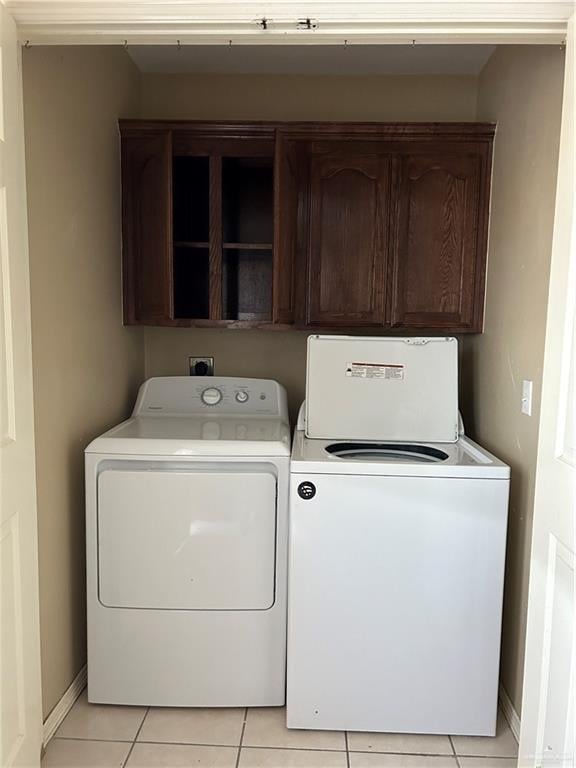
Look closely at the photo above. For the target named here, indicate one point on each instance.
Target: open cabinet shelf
(223, 225)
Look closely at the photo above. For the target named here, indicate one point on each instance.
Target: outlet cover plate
(201, 366)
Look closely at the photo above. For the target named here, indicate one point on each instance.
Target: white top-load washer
(397, 546)
(186, 532)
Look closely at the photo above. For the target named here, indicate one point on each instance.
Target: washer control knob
(211, 396)
(241, 396)
(307, 490)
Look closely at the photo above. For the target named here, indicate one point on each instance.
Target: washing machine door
(197, 538)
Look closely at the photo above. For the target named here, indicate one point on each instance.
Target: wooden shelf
(225, 246)
(189, 244)
(247, 246)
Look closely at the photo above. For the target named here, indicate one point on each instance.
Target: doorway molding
(331, 22)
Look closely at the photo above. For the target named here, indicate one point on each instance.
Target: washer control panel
(174, 395)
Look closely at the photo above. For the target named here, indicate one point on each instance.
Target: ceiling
(313, 60)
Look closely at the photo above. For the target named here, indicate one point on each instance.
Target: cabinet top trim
(300, 129)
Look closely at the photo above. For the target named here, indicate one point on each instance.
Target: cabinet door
(439, 254)
(146, 228)
(349, 214)
(289, 228)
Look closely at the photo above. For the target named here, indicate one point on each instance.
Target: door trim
(53, 22)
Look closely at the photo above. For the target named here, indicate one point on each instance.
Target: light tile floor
(96, 736)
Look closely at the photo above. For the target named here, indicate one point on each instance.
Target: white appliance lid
(382, 388)
(196, 436)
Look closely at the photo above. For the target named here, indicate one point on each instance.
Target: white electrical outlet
(527, 397)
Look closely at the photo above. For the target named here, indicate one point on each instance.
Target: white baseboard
(509, 712)
(55, 718)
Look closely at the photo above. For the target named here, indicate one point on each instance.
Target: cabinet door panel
(348, 230)
(290, 226)
(146, 228)
(438, 260)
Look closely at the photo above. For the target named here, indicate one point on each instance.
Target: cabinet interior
(223, 229)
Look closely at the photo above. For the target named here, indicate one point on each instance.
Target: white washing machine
(397, 546)
(186, 532)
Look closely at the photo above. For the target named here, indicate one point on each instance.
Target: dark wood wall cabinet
(306, 225)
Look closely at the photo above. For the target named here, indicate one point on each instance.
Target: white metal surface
(187, 548)
(182, 396)
(205, 537)
(465, 459)
(382, 388)
(395, 601)
(208, 435)
(172, 418)
(548, 733)
(20, 695)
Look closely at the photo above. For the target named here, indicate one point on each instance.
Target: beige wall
(279, 355)
(86, 365)
(302, 97)
(291, 97)
(520, 89)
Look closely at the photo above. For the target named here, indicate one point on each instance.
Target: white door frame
(20, 696)
(548, 700)
(108, 22)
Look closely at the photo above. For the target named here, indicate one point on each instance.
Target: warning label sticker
(374, 371)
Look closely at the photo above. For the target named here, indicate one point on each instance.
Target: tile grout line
(475, 755)
(410, 753)
(269, 746)
(125, 763)
(91, 738)
(451, 740)
(290, 749)
(347, 749)
(241, 737)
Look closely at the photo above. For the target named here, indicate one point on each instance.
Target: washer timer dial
(211, 396)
